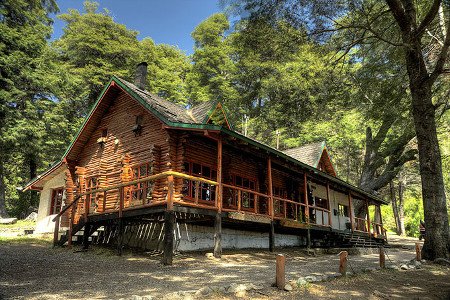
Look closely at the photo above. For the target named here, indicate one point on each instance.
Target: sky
(165, 21)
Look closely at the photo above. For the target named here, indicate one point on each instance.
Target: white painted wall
(338, 222)
(202, 238)
(44, 223)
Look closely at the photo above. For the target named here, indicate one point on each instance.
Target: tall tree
(212, 69)
(408, 26)
(94, 47)
(25, 26)
(168, 68)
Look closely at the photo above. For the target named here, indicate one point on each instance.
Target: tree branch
(429, 17)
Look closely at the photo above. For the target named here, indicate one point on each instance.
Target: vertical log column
(219, 189)
(305, 191)
(350, 210)
(329, 204)
(368, 218)
(271, 208)
(169, 224)
(125, 176)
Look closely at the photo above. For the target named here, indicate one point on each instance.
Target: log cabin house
(145, 172)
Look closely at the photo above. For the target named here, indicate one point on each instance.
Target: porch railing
(142, 193)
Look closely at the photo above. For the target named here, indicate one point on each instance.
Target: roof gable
(314, 155)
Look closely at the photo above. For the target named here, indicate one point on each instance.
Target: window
(343, 210)
(143, 190)
(206, 192)
(230, 197)
(56, 201)
(320, 202)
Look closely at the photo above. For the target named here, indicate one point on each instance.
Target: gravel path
(29, 271)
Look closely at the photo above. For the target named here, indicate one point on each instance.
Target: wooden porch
(212, 198)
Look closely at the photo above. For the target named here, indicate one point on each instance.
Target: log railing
(140, 193)
(324, 216)
(289, 209)
(379, 230)
(360, 225)
(244, 200)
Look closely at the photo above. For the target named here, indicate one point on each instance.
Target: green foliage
(213, 69)
(93, 48)
(167, 70)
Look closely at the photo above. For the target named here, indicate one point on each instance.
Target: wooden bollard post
(280, 279)
(418, 253)
(382, 258)
(343, 262)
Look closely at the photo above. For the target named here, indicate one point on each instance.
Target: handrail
(66, 207)
(288, 200)
(133, 182)
(245, 190)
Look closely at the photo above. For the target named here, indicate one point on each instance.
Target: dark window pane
(206, 172)
(252, 185)
(238, 180)
(196, 169)
(245, 183)
(186, 168)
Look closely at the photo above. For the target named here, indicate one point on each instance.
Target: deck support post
(120, 222)
(120, 230)
(56, 232)
(270, 189)
(272, 237)
(86, 234)
(308, 238)
(169, 224)
(218, 235)
(305, 191)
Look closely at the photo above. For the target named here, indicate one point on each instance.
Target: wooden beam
(218, 236)
(350, 210)
(56, 232)
(305, 191)
(120, 236)
(86, 234)
(271, 237)
(329, 204)
(219, 187)
(169, 224)
(269, 176)
(170, 193)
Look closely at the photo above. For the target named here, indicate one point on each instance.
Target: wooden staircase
(357, 239)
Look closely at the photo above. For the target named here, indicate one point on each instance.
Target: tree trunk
(3, 213)
(394, 207)
(401, 214)
(434, 201)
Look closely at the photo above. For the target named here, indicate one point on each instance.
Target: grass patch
(26, 239)
(19, 224)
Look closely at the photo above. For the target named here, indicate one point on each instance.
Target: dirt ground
(36, 271)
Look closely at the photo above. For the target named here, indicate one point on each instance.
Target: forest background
(277, 82)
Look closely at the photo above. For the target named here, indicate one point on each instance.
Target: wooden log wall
(70, 187)
(123, 148)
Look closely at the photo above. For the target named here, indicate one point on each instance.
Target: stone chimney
(140, 77)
